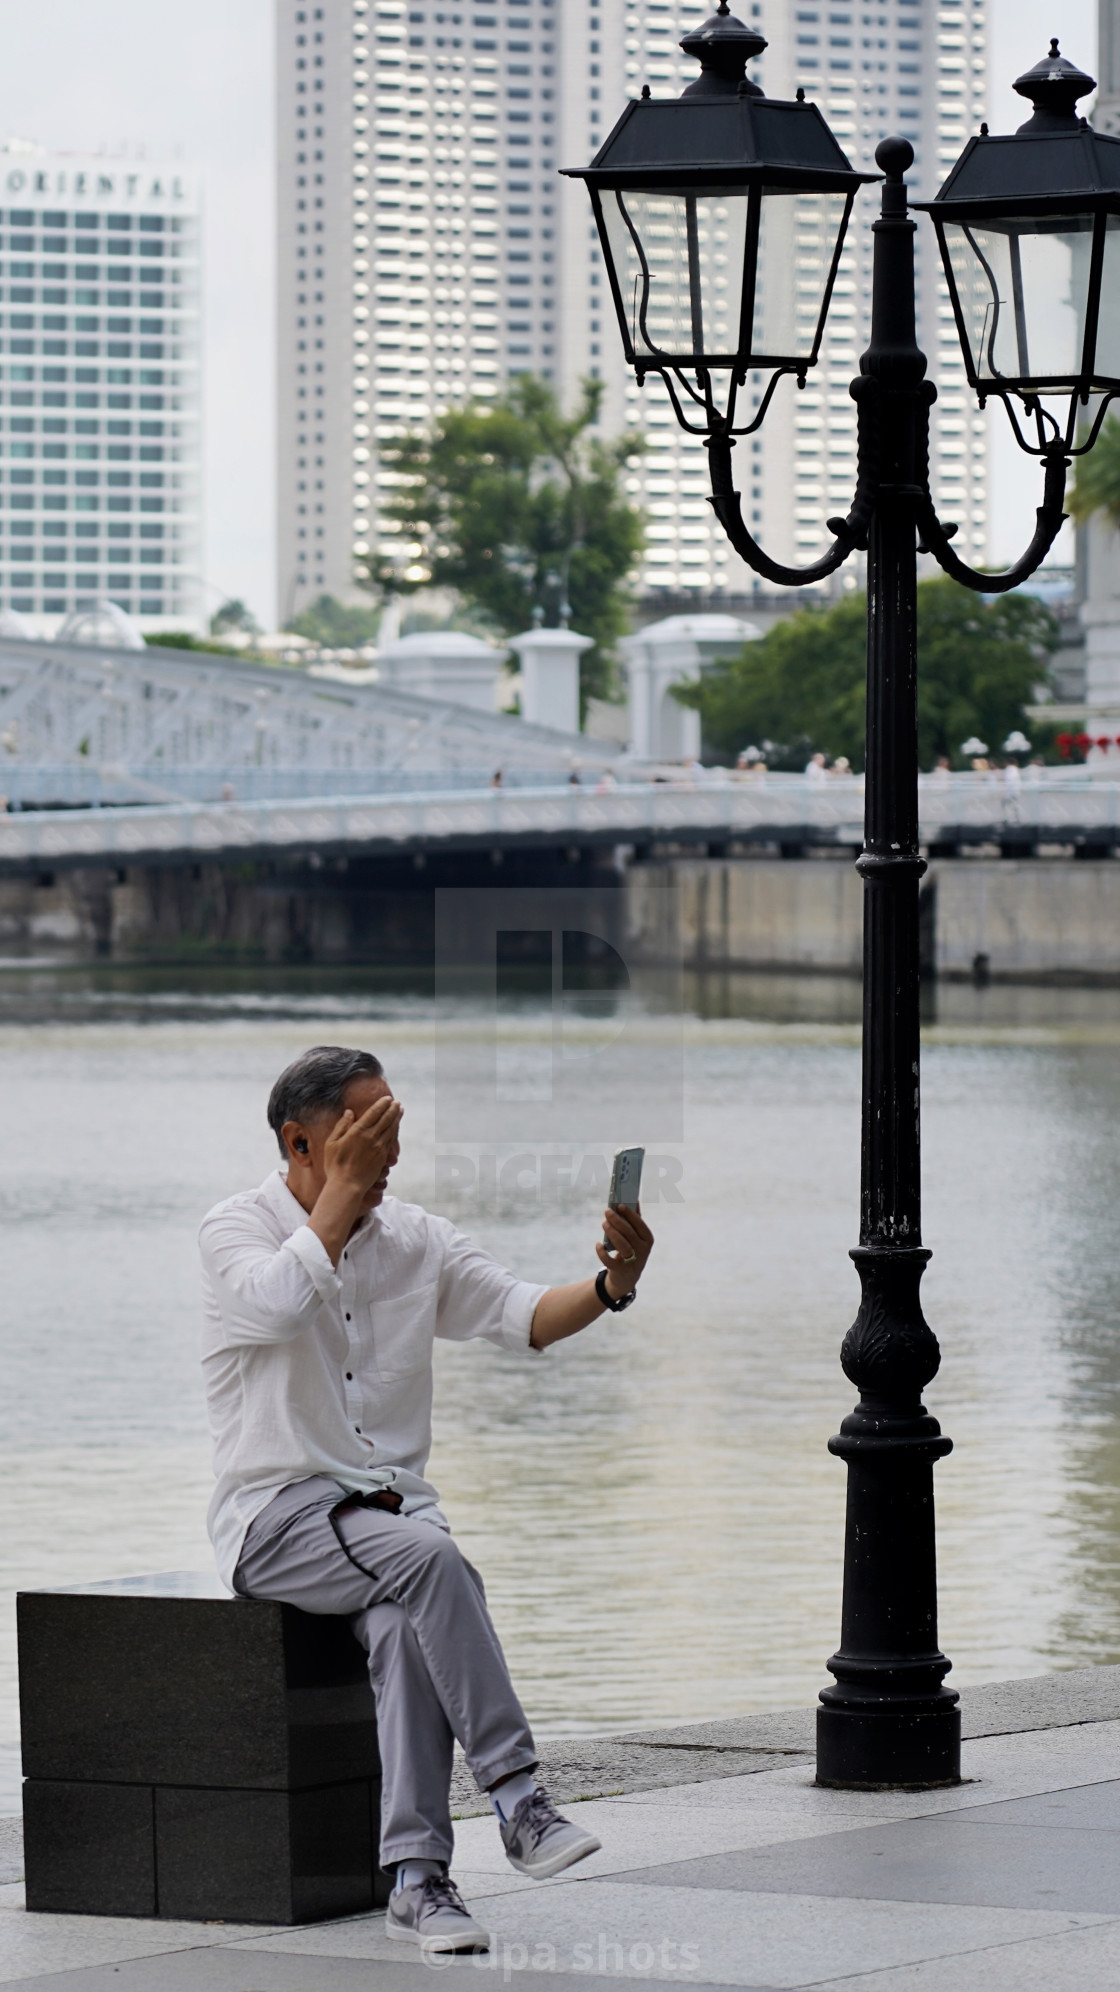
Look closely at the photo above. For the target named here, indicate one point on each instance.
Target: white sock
(410, 1872)
(507, 1796)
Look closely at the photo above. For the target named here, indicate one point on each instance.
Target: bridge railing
(78, 785)
(787, 810)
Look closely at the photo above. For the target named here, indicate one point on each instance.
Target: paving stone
(694, 1936)
(1086, 1960)
(1044, 1701)
(11, 1850)
(952, 1858)
(224, 1970)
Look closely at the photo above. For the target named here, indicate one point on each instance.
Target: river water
(652, 1504)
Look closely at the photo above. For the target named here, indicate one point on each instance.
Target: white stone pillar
(549, 660)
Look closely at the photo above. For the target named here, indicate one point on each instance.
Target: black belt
(379, 1497)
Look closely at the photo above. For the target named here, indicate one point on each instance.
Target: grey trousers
(435, 1663)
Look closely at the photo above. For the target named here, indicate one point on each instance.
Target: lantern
(721, 216)
(1029, 230)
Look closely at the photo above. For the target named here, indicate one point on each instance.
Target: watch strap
(615, 1306)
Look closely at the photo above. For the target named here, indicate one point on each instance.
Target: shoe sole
(566, 1858)
(445, 1944)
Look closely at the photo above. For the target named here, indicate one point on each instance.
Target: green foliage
(327, 621)
(979, 661)
(181, 639)
(234, 614)
(1096, 486)
(517, 507)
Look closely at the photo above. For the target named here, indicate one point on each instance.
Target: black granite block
(89, 1849)
(170, 1681)
(264, 1856)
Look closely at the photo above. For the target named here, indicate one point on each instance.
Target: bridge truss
(157, 710)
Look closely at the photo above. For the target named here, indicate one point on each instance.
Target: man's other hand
(359, 1149)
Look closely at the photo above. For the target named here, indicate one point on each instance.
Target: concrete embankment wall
(1046, 919)
(360, 909)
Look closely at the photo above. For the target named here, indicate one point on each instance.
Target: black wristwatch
(616, 1306)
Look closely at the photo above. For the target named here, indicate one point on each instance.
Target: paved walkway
(723, 1864)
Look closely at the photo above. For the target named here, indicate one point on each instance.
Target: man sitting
(323, 1297)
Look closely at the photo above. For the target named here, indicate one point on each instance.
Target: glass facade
(99, 394)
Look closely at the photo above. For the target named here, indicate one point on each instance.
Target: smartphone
(626, 1180)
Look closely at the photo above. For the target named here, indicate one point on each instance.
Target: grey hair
(315, 1084)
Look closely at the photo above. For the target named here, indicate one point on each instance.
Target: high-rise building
(429, 250)
(919, 69)
(100, 390)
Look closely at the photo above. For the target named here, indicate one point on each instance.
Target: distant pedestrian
(816, 769)
(496, 779)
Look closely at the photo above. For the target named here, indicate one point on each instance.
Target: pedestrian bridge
(1062, 810)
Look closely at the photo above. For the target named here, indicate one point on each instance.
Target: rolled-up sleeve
(264, 1292)
(480, 1298)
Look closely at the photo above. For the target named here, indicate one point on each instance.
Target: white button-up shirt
(310, 1370)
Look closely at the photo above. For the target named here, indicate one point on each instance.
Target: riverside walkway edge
(724, 1864)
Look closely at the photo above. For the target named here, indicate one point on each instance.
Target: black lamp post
(703, 206)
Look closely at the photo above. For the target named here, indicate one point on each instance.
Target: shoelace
(538, 1811)
(440, 1892)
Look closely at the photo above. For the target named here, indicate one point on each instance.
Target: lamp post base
(889, 1749)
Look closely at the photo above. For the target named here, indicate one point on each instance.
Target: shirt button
(349, 1376)
(358, 1429)
(347, 1317)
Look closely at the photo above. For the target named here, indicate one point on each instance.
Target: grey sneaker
(432, 1913)
(540, 1843)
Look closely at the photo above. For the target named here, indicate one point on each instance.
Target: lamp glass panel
(678, 260)
(1106, 366)
(1022, 283)
(797, 236)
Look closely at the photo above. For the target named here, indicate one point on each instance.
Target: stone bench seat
(194, 1755)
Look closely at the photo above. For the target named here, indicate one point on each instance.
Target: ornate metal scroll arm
(1050, 515)
(727, 505)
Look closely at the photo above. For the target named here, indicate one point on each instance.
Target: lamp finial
(723, 47)
(1053, 86)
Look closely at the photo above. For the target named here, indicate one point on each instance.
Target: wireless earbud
(301, 1146)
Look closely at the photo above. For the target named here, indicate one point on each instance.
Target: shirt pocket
(404, 1331)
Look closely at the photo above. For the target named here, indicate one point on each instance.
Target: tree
(519, 509)
(802, 684)
(234, 614)
(1096, 485)
(328, 621)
